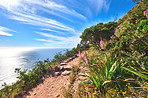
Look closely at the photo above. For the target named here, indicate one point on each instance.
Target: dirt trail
(51, 86)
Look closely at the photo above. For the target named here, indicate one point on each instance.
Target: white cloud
(8, 4)
(26, 11)
(31, 6)
(46, 29)
(45, 40)
(40, 21)
(100, 4)
(4, 31)
(55, 14)
(57, 41)
(57, 7)
(51, 36)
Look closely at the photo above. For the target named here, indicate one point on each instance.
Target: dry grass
(68, 92)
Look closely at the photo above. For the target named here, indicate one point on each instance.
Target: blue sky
(54, 23)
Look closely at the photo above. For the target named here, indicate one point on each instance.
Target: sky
(54, 23)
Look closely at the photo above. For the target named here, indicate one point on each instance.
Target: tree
(136, 1)
(94, 33)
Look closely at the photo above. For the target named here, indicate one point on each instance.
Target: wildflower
(132, 23)
(86, 60)
(112, 36)
(128, 22)
(115, 34)
(144, 13)
(101, 42)
(80, 54)
(121, 23)
(116, 30)
(123, 27)
(110, 40)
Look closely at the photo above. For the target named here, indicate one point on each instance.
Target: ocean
(24, 58)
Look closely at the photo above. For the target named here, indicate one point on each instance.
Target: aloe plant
(103, 77)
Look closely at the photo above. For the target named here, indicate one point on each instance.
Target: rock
(81, 67)
(52, 86)
(67, 68)
(61, 68)
(58, 95)
(62, 64)
(57, 73)
(34, 94)
(43, 78)
(70, 58)
(73, 90)
(66, 61)
(66, 73)
(56, 68)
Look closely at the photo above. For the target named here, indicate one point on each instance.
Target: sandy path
(51, 86)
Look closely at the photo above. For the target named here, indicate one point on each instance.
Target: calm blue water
(11, 58)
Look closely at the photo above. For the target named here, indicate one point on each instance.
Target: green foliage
(106, 77)
(131, 38)
(116, 77)
(136, 1)
(93, 34)
(59, 57)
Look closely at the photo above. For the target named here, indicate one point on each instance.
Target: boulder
(70, 58)
(57, 73)
(62, 68)
(58, 95)
(65, 73)
(67, 68)
(66, 61)
(62, 64)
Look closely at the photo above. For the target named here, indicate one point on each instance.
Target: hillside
(116, 62)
